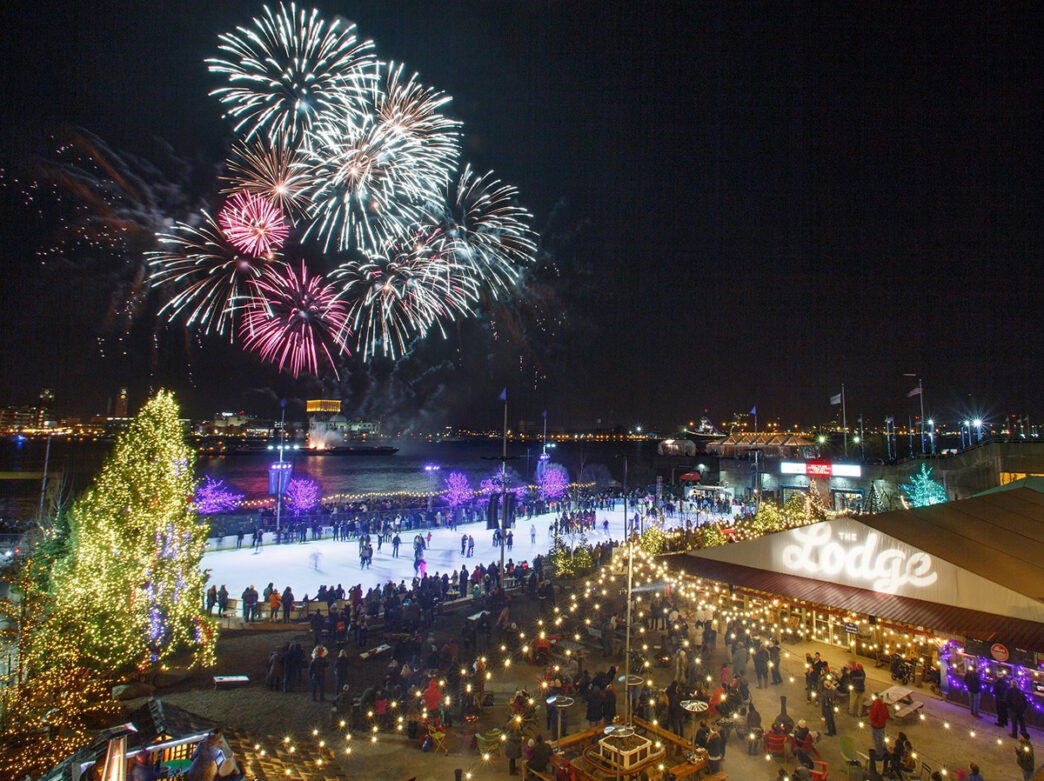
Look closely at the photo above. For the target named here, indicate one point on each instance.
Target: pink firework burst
(253, 224)
(293, 319)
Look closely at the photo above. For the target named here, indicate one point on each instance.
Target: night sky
(741, 204)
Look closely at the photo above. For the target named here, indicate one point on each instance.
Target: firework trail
(293, 319)
(273, 171)
(287, 69)
(253, 225)
(101, 210)
(209, 276)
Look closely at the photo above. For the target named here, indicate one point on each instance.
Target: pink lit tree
(302, 495)
(458, 488)
(554, 481)
(213, 497)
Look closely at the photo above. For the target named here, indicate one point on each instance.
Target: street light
(978, 428)
(431, 469)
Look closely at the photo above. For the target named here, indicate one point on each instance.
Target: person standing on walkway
(1017, 710)
(317, 672)
(1000, 699)
(774, 661)
(878, 720)
(761, 666)
(974, 685)
(857, 688)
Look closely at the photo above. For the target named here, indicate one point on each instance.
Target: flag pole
(920, 392)
(503, 497)
(844, 417)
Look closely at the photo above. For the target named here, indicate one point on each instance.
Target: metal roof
(1028, 635)
(998, 536)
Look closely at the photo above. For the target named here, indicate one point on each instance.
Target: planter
(625, 751)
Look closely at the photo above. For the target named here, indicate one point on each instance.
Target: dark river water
(404, 471)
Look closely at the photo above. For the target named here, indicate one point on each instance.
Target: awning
(1019, 633)
(691, 476)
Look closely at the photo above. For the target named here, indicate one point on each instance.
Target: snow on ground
(306, 566)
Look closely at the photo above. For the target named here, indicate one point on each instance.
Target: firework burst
(293, 319)
(411, 112)
(271, 171)
(253, 225)
(288, 68)
(486, 231)
(207, 273)
(398, 295)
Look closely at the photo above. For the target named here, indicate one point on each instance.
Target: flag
(915, 392)
(503, 395)
(754, 410)
(835, 399)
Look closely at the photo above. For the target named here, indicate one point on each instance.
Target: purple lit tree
(302, 495)
(458, 488)
(213, 497)
(554, 481)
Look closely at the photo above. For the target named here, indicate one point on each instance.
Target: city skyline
(733, 212)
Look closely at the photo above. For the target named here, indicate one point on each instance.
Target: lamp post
(280, 482)
(978, 429)
(430, 469)
(630, 576)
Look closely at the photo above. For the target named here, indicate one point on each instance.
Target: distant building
(328, 428)
(121, 404)
(237, 424)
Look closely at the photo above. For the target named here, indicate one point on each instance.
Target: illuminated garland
(131, 588)
(50, 698)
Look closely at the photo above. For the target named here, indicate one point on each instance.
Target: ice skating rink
(305, 566)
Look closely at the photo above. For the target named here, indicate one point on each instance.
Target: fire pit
(623, 749)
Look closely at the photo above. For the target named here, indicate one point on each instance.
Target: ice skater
(532, 534)
(314, 557)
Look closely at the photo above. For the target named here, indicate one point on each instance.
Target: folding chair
(819, 770)
(438, 740)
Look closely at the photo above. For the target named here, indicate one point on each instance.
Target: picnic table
(900, 702)
(383, 648)
(230, 681)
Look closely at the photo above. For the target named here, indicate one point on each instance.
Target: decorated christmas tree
(50, 700)
(582, 556)
(130, 590)
(922, 490)
(873, 503)
(562, 561)
(653, 540)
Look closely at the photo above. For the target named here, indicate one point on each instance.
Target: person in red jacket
(878, 720)
(432, 696)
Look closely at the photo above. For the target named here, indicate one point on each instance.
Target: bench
(230, 681)
(541, 774)
(907, 710)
